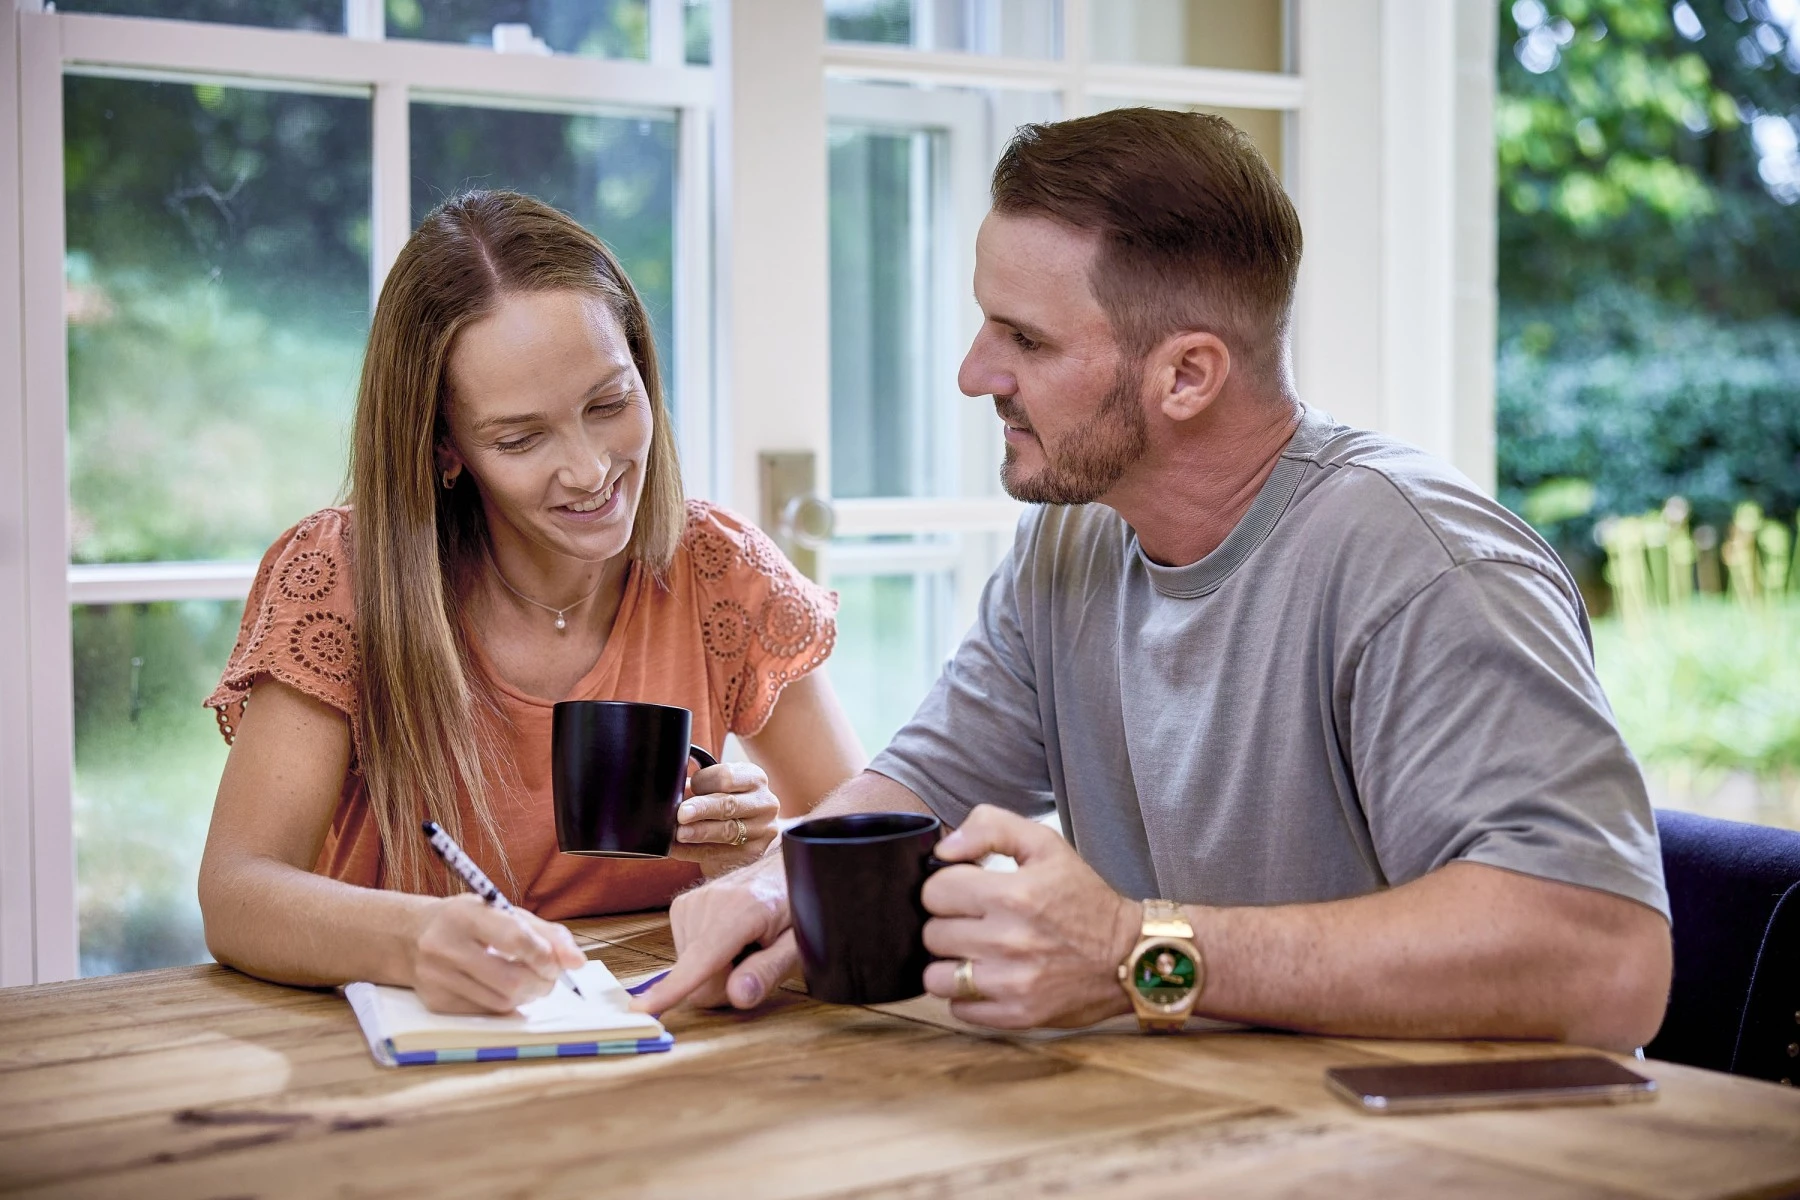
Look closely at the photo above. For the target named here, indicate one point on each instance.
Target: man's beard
(1089, 459)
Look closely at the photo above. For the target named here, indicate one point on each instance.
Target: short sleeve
(978, 737)
(299, 623)
(1479, 732)
(764, 624)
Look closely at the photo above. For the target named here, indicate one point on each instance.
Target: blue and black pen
(476, 878)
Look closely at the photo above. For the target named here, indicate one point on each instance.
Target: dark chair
(1734, 895)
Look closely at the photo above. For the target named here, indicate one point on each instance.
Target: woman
(516, 536)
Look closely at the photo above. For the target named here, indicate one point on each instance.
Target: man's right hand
(713, 925)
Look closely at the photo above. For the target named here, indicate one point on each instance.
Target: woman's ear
(1201, 364)
(449, 465)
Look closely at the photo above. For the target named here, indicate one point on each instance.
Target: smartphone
(1489, 1083)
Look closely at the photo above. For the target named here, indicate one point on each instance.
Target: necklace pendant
(560, 623)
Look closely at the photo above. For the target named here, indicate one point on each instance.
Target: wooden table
(201, 1082)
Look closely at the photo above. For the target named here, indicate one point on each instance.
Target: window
(916, 125)
(229, 199)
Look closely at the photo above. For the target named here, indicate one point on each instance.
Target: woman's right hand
(468, 957)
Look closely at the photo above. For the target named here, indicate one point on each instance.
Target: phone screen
(1419, 1087)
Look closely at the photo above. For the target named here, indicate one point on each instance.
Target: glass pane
(614, 174)
(147, 763)
(1013, 28)
(1241, 35)
(218, 301)
(595, 28)
(881, 285)
(696, 24)
(909, 175)
(326, 16)
(893, 636)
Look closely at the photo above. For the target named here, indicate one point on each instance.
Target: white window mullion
(148, 583)
(391, 172)
(703, 430)
(16, 927)
(668, 33)
(46, 426)
(365, 20)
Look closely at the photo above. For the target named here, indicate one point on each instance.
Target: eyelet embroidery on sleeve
(726, 629)
(786, 623)
(758, 655)
(324, 644)
(291, 633)
(734, 692)
(758, 550)
(711, 552)
(308, 577)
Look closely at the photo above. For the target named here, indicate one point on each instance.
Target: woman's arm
(268, 915)
(807, 745)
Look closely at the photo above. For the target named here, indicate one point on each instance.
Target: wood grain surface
(200, 1081)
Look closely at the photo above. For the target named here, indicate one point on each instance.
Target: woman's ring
(743, 832)
(962, 984)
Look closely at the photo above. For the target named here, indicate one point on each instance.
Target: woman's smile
(603, 505)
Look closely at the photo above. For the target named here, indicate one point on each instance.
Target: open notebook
(402, 1032)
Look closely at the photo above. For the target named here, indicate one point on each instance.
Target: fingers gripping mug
(618, 769)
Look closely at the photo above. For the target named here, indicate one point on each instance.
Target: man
(1303, 681)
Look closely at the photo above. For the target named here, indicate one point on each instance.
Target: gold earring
(448, 478)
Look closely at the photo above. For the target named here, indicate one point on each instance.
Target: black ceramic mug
(618, 769)
(853, 893)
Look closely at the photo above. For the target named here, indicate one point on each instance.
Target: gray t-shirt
(1379, 671)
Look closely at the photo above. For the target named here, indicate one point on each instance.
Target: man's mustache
(1009, 411)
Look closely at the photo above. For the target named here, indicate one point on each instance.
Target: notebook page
(603, 1015)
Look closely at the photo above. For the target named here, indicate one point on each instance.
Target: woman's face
(549, 414)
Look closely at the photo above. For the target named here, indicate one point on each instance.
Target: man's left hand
(1045, 940)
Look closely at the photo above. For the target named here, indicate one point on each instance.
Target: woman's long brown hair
(429, 723)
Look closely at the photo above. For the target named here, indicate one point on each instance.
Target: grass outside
(1708, 697)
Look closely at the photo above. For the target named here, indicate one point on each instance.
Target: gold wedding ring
(962, 984)
(743, 832)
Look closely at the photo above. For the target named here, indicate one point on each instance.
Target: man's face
(1046, 353)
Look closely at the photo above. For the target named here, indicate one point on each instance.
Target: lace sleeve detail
(298, 625)
(763, 623)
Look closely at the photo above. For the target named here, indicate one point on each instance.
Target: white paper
(601, 1014)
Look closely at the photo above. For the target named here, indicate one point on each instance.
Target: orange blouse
(729, 626)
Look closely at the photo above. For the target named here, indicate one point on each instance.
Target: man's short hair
(1195, 230)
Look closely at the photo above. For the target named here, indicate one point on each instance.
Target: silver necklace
(561, 622)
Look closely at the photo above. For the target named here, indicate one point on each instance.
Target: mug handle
(702, 757)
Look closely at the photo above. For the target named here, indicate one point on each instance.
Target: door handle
(793, 512)
(808, 521)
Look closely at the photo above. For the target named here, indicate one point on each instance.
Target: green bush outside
(1616, 402)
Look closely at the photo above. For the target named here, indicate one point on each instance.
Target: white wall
(1394, 178)
(772, 247)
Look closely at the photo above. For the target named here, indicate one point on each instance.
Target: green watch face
(1163, 974)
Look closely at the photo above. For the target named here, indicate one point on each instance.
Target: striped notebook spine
(419, 1058)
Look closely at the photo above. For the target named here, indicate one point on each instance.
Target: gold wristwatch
(1164, 973)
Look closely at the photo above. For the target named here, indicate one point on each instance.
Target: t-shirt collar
(1253, 528)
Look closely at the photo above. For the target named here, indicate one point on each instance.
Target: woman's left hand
(723, 803)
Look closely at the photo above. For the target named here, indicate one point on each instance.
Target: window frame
(39, 936)
(1387, 150)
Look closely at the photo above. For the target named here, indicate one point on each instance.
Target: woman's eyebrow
(503, 422)
(619, 380)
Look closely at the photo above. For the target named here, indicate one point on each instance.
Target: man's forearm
(870, 792)
(1467, 951)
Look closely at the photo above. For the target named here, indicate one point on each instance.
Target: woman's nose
(584, 470)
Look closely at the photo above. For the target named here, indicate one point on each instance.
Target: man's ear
(1197, 366)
